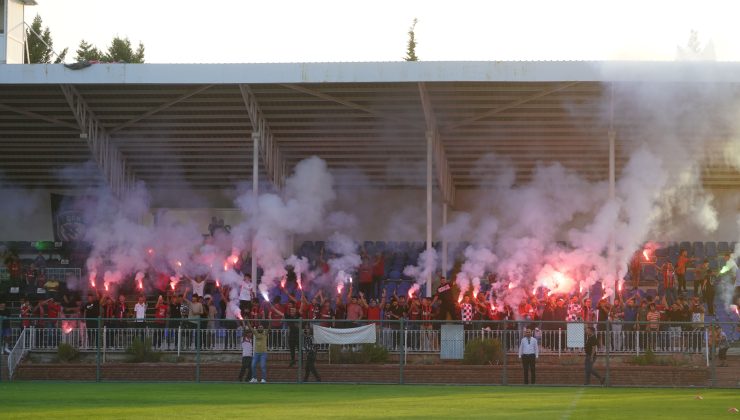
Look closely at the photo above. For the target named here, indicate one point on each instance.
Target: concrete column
(430, 146)
(255, 194)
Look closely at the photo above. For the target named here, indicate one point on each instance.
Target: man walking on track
(591, 347)
(529, 352)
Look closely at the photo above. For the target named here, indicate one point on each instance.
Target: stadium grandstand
(429, 170)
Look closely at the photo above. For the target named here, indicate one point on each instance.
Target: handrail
(17, 354)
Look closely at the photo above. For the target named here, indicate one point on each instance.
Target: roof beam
(117, 173)
(38, 116)
(444, 176)
(346, 103)
(275, 165)
(159, 108)
(511, 105)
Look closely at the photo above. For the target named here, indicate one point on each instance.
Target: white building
(12, 30)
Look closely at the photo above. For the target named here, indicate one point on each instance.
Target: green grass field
(64, 400)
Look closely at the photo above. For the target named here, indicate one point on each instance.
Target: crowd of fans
(201, 302)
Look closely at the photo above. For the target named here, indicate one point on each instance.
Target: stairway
(4, 368)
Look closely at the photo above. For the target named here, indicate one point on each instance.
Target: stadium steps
(4, 368)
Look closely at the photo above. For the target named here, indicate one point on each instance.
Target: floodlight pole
(430, 140)
(255, 192)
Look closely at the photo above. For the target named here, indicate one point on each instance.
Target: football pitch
(63, 400)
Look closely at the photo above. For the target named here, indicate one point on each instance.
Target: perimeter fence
(398, 351)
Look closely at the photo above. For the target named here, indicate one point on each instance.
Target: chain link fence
(481, 352)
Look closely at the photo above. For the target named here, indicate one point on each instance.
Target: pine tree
(411, 46)
(87, 51)
(120, 51)
(40, 44)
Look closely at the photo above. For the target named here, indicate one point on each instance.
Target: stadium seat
(723, 247)
(698, 250)
(661, 252)
(685, 246)
(380, 246)
(710, 249)
(673, 250)
(649, 272)
(369, 247)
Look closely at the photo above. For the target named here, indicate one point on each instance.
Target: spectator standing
(668, 273)
(444, 296)
(427, 336)
(91, 313)
(211, 313)
(309, 348)
(247, 354)
(260, 352)
(700, 274)
(5, 327)
(681, 266)
(246, 293)
(354, 311)
(140, 312)
(292, 319)
(378, 273)
(528, 353)
(140, 316)
(616, 317)
(591, 349)
(160, 315)
(653, 326)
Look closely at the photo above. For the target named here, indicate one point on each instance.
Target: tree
(40, 45)
(694, 50)
(411, 46)
(120, 51)
(88, 52)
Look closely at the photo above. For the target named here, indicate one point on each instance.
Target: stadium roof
(191, 125)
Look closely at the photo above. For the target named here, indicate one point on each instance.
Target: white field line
(573, 404)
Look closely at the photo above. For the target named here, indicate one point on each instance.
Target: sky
(247, 31)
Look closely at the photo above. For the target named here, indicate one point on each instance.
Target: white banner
(364, 334)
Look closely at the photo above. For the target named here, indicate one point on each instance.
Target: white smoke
(272, 219)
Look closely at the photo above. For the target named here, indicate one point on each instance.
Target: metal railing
(62, 274)
(411, 337)
(19, 351)
(406, 343)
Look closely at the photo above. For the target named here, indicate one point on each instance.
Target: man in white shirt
(140, 314)
(140, 309)
(245, 293)
(528, 352)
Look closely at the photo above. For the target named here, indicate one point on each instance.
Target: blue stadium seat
(673, 250)
(723, 247)
(380, 246)
(710, 249)
(649, 272)
(685, 245)
(661, 252)
(698, 250)
(690, 276)
(369, 247)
